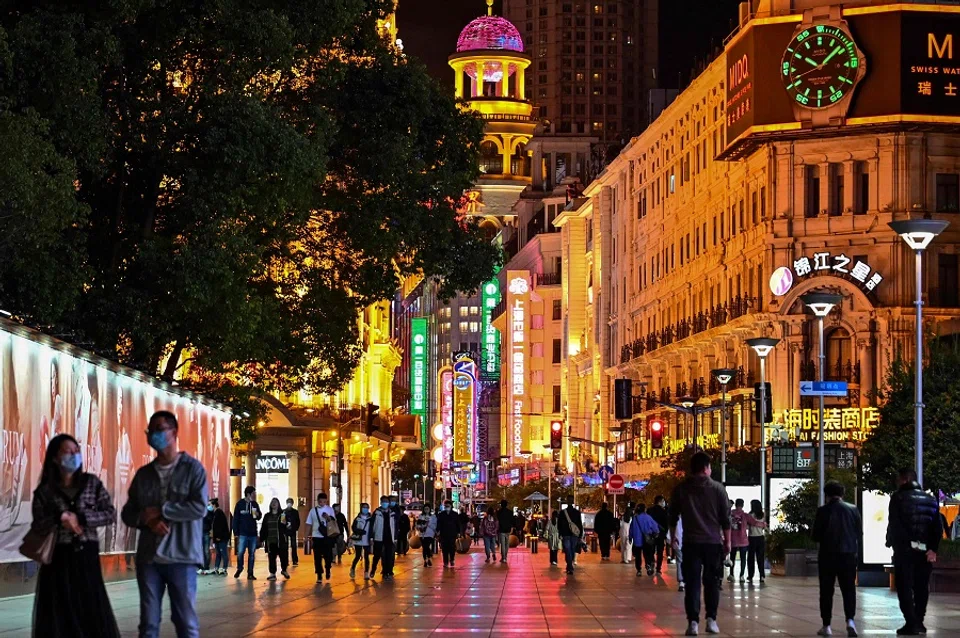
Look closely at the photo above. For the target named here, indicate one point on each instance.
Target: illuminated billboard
(419, 372)
(490, 336)
(464, 409)
(518, 302)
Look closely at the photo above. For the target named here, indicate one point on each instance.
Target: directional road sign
(605, 472)
(615, 484)
(823, 388)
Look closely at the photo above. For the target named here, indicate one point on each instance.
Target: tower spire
(489, 7)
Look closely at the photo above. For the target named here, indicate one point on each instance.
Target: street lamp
(763, 346)
(918, 233)
(688, 403)
(723, 377)
(821, 303)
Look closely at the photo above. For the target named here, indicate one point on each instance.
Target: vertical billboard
(445, 402)
(419, 373)
(518, 311)
(490, 355)
(464, 409)
(47, 389)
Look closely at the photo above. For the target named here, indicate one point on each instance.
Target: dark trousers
(554, 555)
(755, 555)
(702, 566)
(658, 549)
(837, 567)
(742, 552)
(448, 544)
(273, 552)
(911, 571)
(427, 547)
(361, 551)
(292, 542)
(384, 553)
(206, 551)
(644, 554)
(604, 545)
(322, 554)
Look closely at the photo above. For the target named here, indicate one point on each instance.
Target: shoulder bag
(39, 546)
(573, 526)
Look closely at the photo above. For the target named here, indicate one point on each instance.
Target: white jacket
(378, 525)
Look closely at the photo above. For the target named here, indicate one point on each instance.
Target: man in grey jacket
(167, 503)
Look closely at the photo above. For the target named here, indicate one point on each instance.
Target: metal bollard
(534, 544)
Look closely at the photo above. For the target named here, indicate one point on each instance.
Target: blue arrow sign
(823, 388)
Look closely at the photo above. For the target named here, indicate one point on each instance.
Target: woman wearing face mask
(71, 598)
(427, 528)
(274, 540)
(360, 537)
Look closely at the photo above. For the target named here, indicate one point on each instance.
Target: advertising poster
(45, 391)
(876, 509)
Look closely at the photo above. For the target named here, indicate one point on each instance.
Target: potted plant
(946, 571)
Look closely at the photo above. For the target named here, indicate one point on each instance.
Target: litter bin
(795, 562)
(593, 544)
(534, 542)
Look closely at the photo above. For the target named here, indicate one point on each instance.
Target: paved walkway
(526, 597)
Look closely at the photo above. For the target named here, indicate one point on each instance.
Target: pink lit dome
(490, 32)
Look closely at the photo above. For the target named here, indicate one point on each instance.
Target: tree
(891, 446)
(247, 176)
(798, 509)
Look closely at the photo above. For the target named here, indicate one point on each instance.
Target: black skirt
(71, 598)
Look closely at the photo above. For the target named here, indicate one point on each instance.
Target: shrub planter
(795, 562)
(945, 578)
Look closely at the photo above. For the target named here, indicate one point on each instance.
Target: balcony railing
(697, 388)
(548, 279)
(738, 307)
(837, 371)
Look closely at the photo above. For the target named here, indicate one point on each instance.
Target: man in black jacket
(603, 525)
(292, 516)
(659, 514)
(449, 530)
(914, 532)
(838, 529)
(570, 525)
(505, 520)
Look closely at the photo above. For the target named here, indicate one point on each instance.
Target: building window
(812, 191)
(464, 325)
(557, 310)
(948, 281)
(838, 355)
(836, 189)
(536, 322)
(557, 350)
(557, 402)
(948, 192)
(536, 350)
(861, 193)
(464, 311)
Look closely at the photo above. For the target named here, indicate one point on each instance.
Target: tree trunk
(172, 366)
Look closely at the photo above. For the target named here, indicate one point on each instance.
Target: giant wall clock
(821, 66)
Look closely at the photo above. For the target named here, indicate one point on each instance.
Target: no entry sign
(615, 484)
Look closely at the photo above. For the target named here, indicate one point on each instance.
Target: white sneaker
(693, 628)
(200, 572)
(852, 629)
(825, 631)
(712, 626)
(682, 587)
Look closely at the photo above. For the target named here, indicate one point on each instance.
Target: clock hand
(809, 61)
(832, 53)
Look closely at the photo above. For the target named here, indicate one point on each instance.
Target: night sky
(689, 31)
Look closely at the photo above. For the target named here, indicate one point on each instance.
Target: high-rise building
(593, 62)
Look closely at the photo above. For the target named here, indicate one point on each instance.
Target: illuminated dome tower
(490, 65)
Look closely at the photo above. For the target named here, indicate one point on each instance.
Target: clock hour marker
(847, 80)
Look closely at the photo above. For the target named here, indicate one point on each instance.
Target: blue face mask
(71, 462)
(384, 506)
(365, 510)
(158, 441)
(209, 508)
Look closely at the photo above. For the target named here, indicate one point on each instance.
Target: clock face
(820, 66)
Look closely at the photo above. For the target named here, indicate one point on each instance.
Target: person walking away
(603, 525)
(659, 514)
(220, 534)
(292, 515)
(490, 529)
(274, 538)
(837, 529)
(756, 539)
(476, 521)
(246, 513)
(323, 529)
(464, 518)
(449, 530)
(384, 539)
(360, 532)
(71, 598)
(207, 530)
(570, 526)
(643, 534)
(705, 508)
(166, 502)
(554, 542)
(340, 544)
(676, 546)
(626, 546)
(403, 529)
(505, 519)
(740, 522)
(913, 531)
(427, 528)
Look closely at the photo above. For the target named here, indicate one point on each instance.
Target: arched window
(839, 363)
(519, 162)
(491, 161)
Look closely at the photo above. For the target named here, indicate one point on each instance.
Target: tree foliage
(891, 446)
(229, 182)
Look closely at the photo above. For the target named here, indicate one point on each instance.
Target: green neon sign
(419, 372)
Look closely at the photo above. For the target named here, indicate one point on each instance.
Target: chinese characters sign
(675, 446)
(490, 336)
(840, 425)
(464, 409)
(445, 390)
(824, 263)
(518, 300)
(419, 370)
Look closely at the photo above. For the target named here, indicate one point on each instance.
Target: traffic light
(623, 399)
(768, 402)
(556, 435)
(656, 434)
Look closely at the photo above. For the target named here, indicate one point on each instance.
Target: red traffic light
(656, 426)
(556, 435)
(556, 426)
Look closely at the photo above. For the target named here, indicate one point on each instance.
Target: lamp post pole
(918, 233)
(724, 376)
(763, 346)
